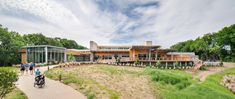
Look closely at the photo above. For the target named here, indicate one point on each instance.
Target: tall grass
(87, 86)
(175, 84)
(173, 77)
(167, 84)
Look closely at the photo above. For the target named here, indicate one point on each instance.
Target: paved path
(52, 89)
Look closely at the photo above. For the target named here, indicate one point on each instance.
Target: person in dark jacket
(31, 67)
(22, 68)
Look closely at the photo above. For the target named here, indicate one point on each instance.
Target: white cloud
(128, 21)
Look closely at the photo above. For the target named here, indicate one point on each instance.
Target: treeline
(212, 46)
(11, 42)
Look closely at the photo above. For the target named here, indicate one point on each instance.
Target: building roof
(166, 50)
(78, 50)
(43, 46)
(111, 51)
(145, 46)
(181, 53)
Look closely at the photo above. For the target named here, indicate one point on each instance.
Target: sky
(124, 22)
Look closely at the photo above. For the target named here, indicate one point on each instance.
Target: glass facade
(82, 58)
(45, 54)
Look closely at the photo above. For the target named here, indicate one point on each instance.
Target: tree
(11, 42)
(212, 46)
(7, 79)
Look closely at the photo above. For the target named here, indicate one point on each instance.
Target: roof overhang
(145, 47)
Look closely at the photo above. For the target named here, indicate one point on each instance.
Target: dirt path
(52, 89)
(211, 70)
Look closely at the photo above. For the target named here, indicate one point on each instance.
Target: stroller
(39, 81)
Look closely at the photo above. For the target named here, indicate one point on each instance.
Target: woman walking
(31, 68)
(26, 68)
(22, 68)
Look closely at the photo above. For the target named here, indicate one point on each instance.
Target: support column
(46, 55)
(181, 66)
(26, 55)
(92, 57)
(150, 57)
(166, 65)
(65, 57)
(156, 56)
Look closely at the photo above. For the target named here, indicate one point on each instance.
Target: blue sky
(165, 22)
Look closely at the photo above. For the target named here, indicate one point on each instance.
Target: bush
(203, 67)
(7, 79)
(137, 62)
(158, 64)
(166, 77)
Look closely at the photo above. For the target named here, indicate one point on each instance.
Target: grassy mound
(174, 84)
(99, 81)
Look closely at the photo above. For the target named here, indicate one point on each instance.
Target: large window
(81, 58)
(45, 54)
(36, 54)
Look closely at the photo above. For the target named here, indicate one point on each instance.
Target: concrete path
(52, 89)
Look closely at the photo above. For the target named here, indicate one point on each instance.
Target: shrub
(203, 67)
(158, 64)
(90, 95)
(7, 79)
(166, 77)
(137, 62)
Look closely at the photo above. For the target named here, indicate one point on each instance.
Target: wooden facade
(145, 54)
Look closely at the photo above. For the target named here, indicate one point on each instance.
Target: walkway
(212, 70)
(52, 89)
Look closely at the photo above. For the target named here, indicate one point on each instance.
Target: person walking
(22, 68)
(31, 67)
(26, 68)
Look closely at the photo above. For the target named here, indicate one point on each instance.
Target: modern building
(43, 54)
(145, 54)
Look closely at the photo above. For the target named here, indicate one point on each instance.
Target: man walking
(31, 67)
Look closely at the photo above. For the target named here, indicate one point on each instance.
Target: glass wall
(36, 54)
(55, 55)
(45, 54)
(81, 58)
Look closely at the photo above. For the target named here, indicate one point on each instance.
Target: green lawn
(16, 94)
(94, 81)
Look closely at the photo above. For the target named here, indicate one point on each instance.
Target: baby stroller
(39, 81)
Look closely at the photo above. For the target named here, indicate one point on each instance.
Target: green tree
(7, 79)
(212, 46)
(11, 42)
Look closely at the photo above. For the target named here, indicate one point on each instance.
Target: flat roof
(77, 50)
(144, 46)
(114, 46)
(181, 53)
(43, 46)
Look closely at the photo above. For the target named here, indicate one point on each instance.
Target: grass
(87, 86)
(101, 81)
(16, 94)
(174, 84)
